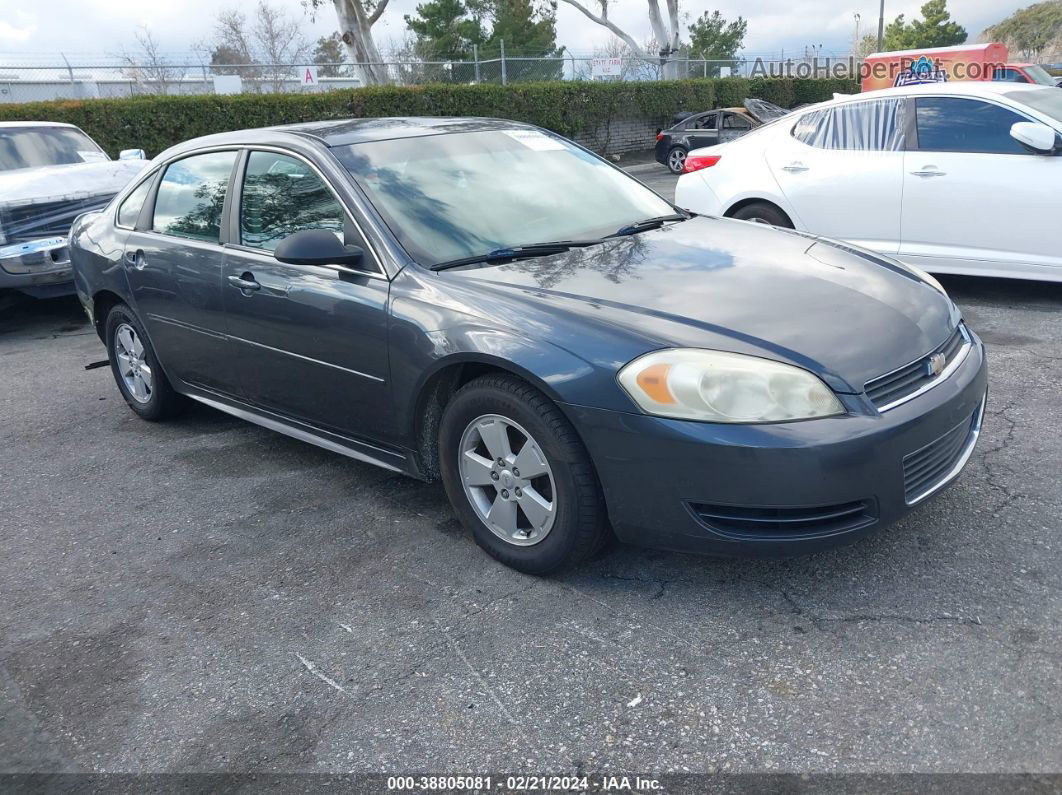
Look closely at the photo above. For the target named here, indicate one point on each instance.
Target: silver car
(50, 173)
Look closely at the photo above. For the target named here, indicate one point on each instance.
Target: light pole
(881, 28)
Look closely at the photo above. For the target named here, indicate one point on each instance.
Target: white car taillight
(697, 162)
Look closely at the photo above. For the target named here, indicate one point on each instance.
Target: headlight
(713, 386)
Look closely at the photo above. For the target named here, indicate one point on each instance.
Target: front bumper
(786, 488)
(38, 267)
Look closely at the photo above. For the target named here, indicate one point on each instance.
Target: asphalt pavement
(206, 595)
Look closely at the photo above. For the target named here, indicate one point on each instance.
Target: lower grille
(759, 522)
(927, 469)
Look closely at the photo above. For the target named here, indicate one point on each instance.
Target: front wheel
(519, 477)
(676, 160)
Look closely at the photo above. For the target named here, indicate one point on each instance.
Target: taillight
(697, 162)
(659, 136)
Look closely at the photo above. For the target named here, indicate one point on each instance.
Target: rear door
(841, 168)
(311, 341)
(974, 198)
(173, 262)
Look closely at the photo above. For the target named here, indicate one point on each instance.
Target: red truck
(944, 64)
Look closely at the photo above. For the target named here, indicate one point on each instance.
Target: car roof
(972, 88)
(341, 132)
(6, 124)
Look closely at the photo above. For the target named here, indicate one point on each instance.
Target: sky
(39, 30)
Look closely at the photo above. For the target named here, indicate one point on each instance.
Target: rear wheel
(519, 477)
(136, 369)
(763, 213)
(676, 159)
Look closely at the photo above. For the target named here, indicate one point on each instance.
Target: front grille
(760, 522)
(927, 469)
(25, 222)
(886, 390)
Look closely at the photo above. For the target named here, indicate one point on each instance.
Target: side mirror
(132, 154)
(318, 247)
(1038, 137)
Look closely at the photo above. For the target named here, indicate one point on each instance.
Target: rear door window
(874, 126)
(953, 124)
(191, 196)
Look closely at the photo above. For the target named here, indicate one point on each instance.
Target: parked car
(570, 353)
(951, 178)
(49, 174)
(695, 130)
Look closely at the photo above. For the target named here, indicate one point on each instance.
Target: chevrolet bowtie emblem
(935, 364)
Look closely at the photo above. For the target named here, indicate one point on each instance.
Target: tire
(577, 527)
(150, 396)
(676, 159)
(763, 213)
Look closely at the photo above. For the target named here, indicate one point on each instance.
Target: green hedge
(569, 108)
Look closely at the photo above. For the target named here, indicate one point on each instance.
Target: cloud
(21, 30)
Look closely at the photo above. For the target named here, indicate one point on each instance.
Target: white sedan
(950, 177)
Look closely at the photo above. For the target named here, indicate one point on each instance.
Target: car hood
(74, 181)
(731, 285)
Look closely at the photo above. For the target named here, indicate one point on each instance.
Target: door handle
(245, 282)
(928, 171)
(135, 259)
(795, 168)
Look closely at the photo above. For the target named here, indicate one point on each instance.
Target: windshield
(32, 147)
(1039, 75)
(1046, 100)
(458, 195)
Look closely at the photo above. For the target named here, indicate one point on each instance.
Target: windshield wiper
(649, 223)
(516, 252)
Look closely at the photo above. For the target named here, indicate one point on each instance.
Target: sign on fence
(309, 76)
(606, 67)
(228, 84)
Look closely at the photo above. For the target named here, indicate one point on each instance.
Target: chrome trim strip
(230, 338)
(953, 473)
(295, 433)
(946, 373)
(306, 358)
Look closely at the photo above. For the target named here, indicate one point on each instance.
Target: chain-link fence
(108, 78)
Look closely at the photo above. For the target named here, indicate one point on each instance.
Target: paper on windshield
(533, 139)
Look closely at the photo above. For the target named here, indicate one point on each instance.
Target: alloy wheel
(676, 160)
(132, 364)
(507, 480)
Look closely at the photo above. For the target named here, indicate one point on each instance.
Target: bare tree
(356, 18)
(280, 42)
(149, 65)
(265, 48)
(666, 34)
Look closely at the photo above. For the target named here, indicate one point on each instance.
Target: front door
(174, 261)
(841, 168)
(976, 199)
(311, 341)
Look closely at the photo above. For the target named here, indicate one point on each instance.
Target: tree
(149, 65)
(1030, 30)
(712, 38)
(444, 31)
(526, 30)
(935, 29)
(356, 18)
(329, 55)
(666, 34)
(264, 48)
